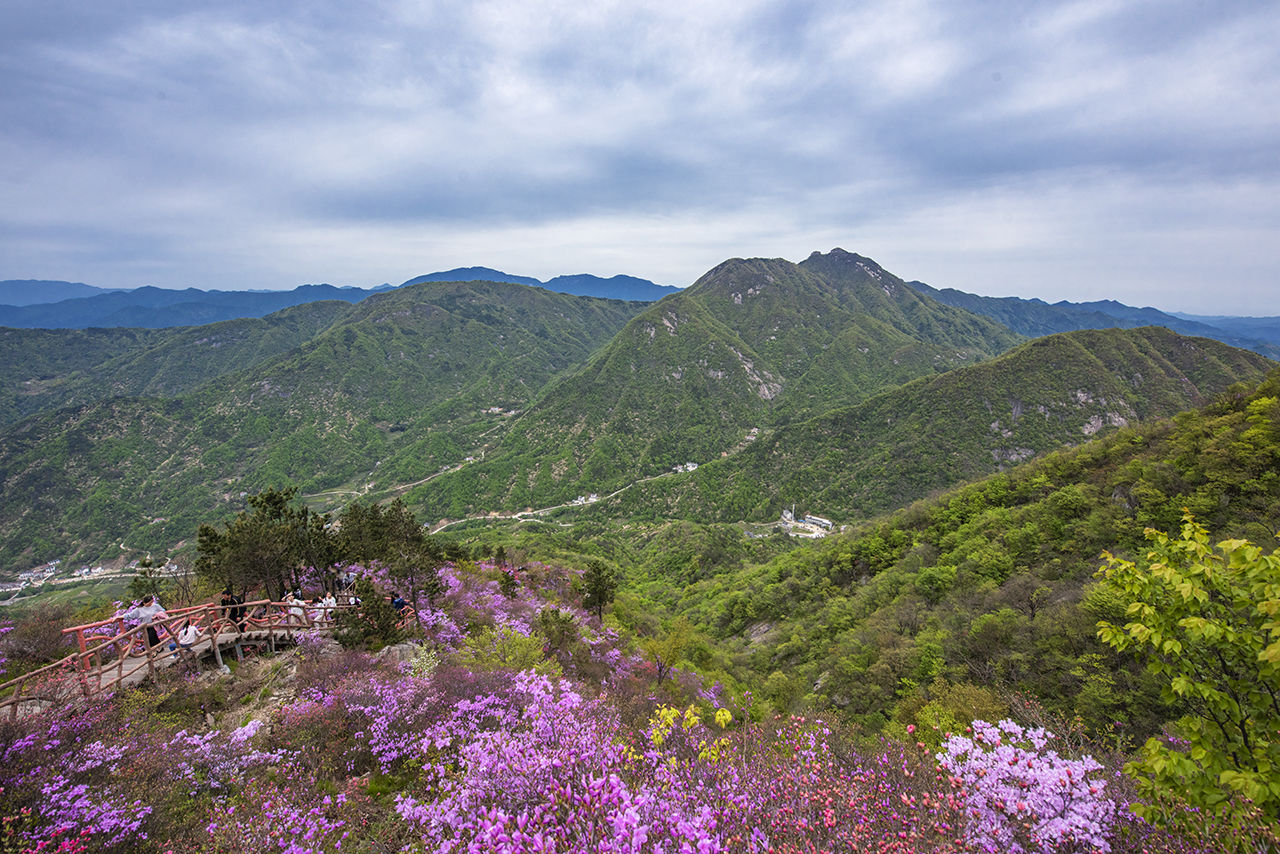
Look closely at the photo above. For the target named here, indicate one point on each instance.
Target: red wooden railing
(106, 647)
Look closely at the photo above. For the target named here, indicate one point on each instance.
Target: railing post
(84, 658)
(17, 700)
(80, 674)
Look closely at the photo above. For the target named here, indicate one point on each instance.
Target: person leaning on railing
(145, 613)
(296, 608)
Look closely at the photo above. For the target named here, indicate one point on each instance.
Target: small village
(52, 573)
(808, 526)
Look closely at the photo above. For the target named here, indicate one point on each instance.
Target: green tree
(559, 629)
(371, 624)
(1207, 619)
(508, 583)
(666, 652)
(147, 581)
(264, 547)
(503, 648)
(392, 536)
(599, 584)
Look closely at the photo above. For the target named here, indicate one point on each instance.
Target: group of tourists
(309, 612)
(150, 614)
(231, 613)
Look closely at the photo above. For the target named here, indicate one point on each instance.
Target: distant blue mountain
(614, 287)
(155, 308)
(1034, 317)
(583, 284)
(1266, 328)
(37, 291)
(68, 305)
(474, 274)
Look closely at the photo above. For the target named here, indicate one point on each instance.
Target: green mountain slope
(406, 382)
(860, 461)
(751, 344)
(984, 593)
(36, 363)
(46, 369)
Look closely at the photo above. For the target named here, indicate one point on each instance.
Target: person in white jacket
(189, 635)
(327, 606)
(146, 613)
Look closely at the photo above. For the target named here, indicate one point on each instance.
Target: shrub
(1207, 620)
(1021, 798)
(371, 624)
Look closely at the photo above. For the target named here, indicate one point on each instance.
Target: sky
(1124, 150)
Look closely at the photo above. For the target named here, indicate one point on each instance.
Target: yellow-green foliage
(503, 648)
(664, 720)
(1207, 621)
(946, 709)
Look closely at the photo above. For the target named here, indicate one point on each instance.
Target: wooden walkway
(111, 656)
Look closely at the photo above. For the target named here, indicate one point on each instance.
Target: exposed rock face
(401, 652)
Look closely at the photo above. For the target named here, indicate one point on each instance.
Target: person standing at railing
(145, 613)
(326, 606)
(232, 609)
(296, 608)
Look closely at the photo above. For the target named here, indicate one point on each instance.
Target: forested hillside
(751, 344)
(403, 384)
(952, 606)
(860, 461)
(42, 370)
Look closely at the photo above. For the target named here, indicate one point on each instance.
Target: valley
(787, 491)
(830, 383)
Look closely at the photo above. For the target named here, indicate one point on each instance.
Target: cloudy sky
(1085, 150)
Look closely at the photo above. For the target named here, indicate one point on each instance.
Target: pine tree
(599, 585)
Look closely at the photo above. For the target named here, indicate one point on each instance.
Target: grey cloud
(186, 132)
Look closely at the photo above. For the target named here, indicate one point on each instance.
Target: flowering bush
(471, 746)
(1021, 798)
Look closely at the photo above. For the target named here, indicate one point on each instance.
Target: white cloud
(962, 144)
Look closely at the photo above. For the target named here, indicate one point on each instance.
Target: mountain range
(831, 382)
(1034, 317)
(29, 303)
(914, 440)
(403, 382)
(34, 304)
(751, 344)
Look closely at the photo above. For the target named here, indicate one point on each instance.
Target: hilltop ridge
(831, 377)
